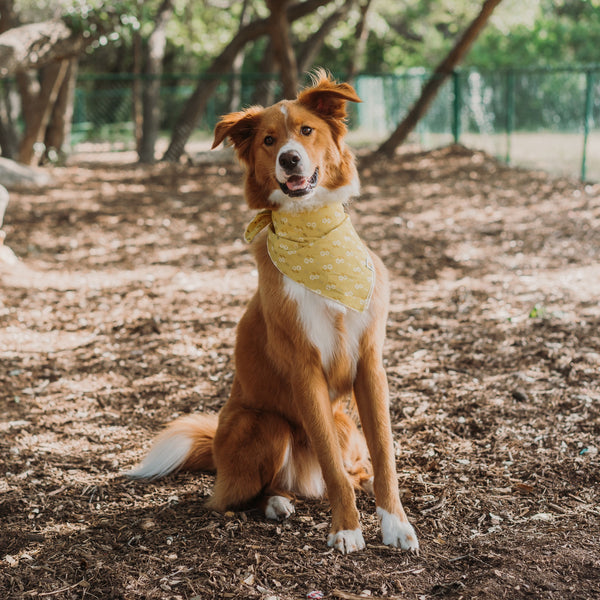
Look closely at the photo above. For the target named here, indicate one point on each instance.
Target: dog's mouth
(300, 186)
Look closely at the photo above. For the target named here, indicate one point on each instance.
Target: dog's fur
(299, 357)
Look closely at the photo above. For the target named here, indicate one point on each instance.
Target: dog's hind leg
(354, 451)
(250, 448)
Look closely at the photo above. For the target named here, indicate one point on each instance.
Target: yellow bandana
(320, 250)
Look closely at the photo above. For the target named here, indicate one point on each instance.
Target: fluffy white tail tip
(164, 457)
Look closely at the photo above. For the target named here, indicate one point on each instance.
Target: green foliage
(403, 34)
(551, 33)
(538, 312)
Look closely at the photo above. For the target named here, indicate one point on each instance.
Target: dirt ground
(121, 315)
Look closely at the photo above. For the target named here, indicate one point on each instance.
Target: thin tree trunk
(8, 16)
(196, 104)
(312, 46)
(357, 60)
(58, 133)
(431, 88)
(157, 43)
(9, 138)
(235, 86)
(39, 115)
(279, 30)
(264, 91)
(136, 86)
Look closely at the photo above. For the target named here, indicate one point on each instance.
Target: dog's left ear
(328, 98)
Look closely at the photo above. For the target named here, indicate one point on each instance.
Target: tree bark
(136, 85)
(157, 43)
(9, 138)
(357, 61)
(40, 112)
(279, 31)
(264, 90)
(34, 46)
(8, 16)
(311, 47)
(235, 86)
(196, 104)
(431, 88)
(58, 133)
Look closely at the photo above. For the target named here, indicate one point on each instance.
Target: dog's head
(294, 151)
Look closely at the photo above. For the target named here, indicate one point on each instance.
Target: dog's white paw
(347, 540)
(279, 507)
(397, 533)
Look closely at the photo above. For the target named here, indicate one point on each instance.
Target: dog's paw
(278, 508)
(397, 533)
(347, 540)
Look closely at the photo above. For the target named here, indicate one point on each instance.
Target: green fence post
(587, 117)
(510, 112)
(456, 106)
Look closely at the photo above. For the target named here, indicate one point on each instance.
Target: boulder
(14, 174)
(7, 256)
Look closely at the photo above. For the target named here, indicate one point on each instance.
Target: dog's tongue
(296, 183)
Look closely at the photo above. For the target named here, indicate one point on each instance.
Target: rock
(3, 202)
(15, 174)
(7, 256)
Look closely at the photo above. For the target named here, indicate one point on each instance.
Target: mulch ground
(121, 315)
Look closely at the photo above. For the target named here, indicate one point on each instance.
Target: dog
(310, 342)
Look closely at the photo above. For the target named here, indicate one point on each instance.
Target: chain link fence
(536, 118)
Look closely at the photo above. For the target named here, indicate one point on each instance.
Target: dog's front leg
(311, 396)
(372, 399)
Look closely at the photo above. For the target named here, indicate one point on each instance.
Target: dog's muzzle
(297, 185)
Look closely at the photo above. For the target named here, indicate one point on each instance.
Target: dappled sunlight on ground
(121, 314)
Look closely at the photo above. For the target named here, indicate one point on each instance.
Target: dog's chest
(332, 329)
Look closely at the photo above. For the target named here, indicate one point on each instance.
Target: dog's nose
(289, 160)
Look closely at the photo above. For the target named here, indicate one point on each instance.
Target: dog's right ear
(239, 127)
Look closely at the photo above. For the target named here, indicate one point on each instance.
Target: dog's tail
(186, 444)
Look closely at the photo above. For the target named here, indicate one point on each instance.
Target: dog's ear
(326, 97)
(239, 127)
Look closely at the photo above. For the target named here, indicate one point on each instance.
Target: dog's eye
(306, 130)
(269, 140)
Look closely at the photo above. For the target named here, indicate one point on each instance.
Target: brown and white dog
(300, 356)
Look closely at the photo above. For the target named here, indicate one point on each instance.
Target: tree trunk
(235, 86)
(279, 31)
(157, 43)
(196, 104)
(58, 133)
(357, 60)
(34, 46)
(136, 85)
(431, 88)
(39, 115)
(312, 46)
(9, 138)
(264, 90)
(8, 16)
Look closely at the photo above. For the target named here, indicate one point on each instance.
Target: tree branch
(196, 104)
(431, 88)
(35, 45)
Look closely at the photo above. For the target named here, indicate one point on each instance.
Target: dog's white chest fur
(318, 318)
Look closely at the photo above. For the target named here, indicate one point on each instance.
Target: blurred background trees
(232, 37)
